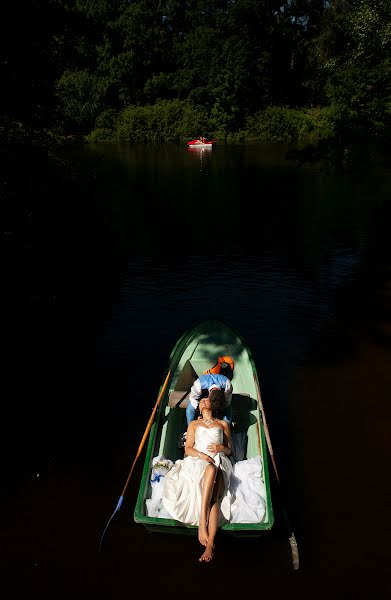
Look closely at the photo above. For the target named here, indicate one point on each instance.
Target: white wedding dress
(182, 490)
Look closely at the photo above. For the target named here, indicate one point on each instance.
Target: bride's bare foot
(208, 554)
(203, 534)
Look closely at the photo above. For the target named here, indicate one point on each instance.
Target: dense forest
(242, 71)
(169, 70)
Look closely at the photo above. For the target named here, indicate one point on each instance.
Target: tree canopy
(77, 65)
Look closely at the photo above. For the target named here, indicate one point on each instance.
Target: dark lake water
(298, 261)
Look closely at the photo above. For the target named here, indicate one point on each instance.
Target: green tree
(29, 63)
(359, 86)
(80, 95)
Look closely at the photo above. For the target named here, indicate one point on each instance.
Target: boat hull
(199, 146)
(196, 351)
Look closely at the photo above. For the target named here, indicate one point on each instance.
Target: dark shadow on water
(102, 286)
(346, 156)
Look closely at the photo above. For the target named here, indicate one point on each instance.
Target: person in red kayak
(202, 140)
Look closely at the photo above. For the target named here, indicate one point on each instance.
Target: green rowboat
(195, 352)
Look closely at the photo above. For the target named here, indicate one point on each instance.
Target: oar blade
(295, 552)
(119, 504)
(146, 432)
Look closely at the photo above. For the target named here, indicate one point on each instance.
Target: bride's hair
(217, 400)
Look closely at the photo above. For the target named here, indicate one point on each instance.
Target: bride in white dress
(196, 489)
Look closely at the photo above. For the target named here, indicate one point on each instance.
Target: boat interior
(173, 416)
(247, 437)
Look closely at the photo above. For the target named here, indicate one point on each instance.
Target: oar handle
(147, 430)
(265, 427)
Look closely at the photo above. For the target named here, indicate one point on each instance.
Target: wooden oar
(292, 539)
(146, 432)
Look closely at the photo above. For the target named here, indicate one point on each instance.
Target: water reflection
(201, 154)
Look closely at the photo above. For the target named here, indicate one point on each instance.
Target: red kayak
(199, 144)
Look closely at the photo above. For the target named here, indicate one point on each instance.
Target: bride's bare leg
(207, 489)
(214, 515)
(212, 529)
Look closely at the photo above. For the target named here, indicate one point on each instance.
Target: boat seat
(175, 396)
(174, 399)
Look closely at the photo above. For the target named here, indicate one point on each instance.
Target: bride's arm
(226, 439)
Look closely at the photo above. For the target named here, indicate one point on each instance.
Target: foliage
(166, 120)
(278, 124)
(359, 83)
(146, 70)
(284, 124)
(176, 121)
(80, 95)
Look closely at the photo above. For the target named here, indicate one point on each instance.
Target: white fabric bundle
(247, 490)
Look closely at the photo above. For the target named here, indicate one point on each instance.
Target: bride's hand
(213, 448)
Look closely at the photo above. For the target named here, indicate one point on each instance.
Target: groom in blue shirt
(201, 388)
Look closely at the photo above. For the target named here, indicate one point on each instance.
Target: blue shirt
(207, 382)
